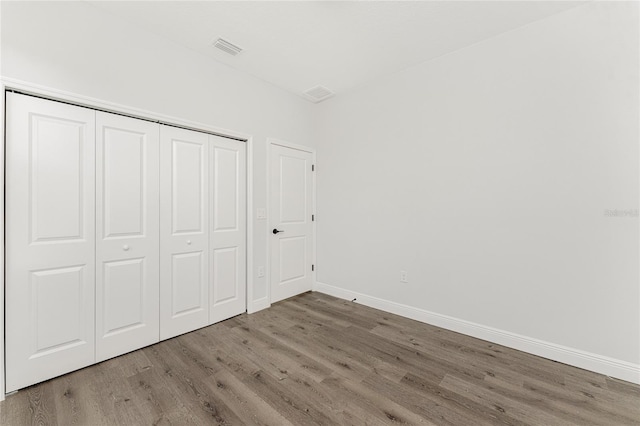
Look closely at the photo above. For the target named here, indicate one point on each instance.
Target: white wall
(76, 47)
(485, 175)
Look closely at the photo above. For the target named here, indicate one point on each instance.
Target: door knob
(188, 242)
(125, 247)
(275, 231)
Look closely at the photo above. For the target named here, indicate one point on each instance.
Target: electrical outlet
(260, 271)
(403, 277)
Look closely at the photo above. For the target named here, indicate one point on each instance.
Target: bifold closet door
(50, 237)
(184, 233)
(227, 228)
(127, 221)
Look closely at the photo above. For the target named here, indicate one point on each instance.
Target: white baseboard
(589, 361)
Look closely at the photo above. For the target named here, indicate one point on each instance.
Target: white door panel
(186, 290)
(188, 169)
(127, 221)
(293, 258)
(56, 330)
(225, 274)
(228, 228)
(184, 231)
(50, 232)
(123, 299)
(291, 202)
(293, 188)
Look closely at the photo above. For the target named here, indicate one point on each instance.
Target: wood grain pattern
(314, 359)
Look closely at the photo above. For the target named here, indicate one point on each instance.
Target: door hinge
(313, 167)
(313, 268)
(313, 217)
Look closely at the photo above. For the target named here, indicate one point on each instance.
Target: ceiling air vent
(318, 94)
(225, 46)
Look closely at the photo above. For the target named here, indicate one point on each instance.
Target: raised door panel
(186, 292)
(228, 283)
(57, 329)
(55, 150)
(187, 185)
(50, 236)
(128, 236)
(123, 297)
(293, 258)
(228, 228)
(290, 209)
(293, 189)
(184, 231)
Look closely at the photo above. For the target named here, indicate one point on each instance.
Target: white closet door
(184, 236)
(228, 228)
(127, 221)
(50, 237)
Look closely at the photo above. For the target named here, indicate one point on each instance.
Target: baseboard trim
(589, 361)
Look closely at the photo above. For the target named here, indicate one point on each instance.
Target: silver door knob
(125, 247)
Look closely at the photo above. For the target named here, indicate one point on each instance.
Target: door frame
(2, 256)
(279, 142)
(9, 84)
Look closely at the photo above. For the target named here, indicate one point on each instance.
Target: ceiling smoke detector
(318, 94)
(227, 47)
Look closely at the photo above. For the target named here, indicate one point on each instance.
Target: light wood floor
(314, 359)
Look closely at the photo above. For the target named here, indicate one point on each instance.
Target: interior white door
(228, 228)
(50, 237)
(290, 210)
(184, 235)
(127, 221)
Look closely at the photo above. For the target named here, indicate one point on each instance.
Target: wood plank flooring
(314, 359)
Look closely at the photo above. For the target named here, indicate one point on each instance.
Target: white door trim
(100, 104)
(2, 125)
(266, 301)
(25, 87)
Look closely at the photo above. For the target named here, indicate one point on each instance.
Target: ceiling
(341, 45)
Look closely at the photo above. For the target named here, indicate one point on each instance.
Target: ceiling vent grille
(318, 94)
(227, 47)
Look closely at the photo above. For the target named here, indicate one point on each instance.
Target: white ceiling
(297, 45)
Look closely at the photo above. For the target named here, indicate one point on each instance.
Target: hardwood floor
(314, 359)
